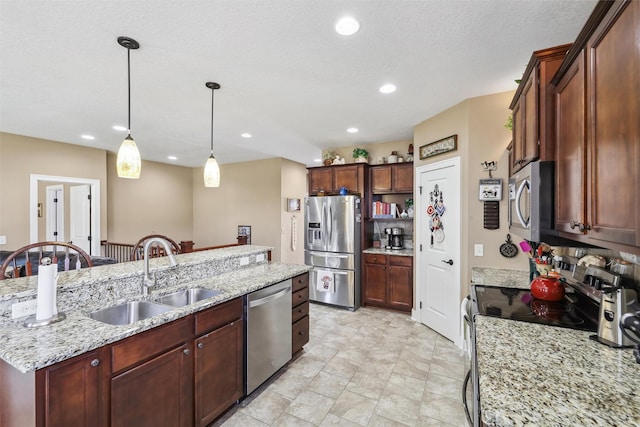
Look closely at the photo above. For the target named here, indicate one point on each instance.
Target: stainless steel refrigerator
(332, 248)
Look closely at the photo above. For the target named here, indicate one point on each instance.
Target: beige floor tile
(334, 420)
(311, 407)
(381, 370)
(290, 384)
(342, 367)
(403, 385)
(239, 419)
(445, 386)
(443, 409)
(328, 384)
(267, 407)
(306, 367)
(288, 420)
(366, 385)
(354, 407)
(380, 421)
(447, 368)
(398, 408)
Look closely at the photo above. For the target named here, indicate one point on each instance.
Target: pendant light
(211, 168)
(128, 162)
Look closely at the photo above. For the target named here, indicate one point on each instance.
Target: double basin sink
(134, 311)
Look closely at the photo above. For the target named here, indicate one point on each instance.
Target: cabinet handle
(583, 227)
(300, 333)
(186, 351)
(573, 224)
(200, 345)
(95, 362)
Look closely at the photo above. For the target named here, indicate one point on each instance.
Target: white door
(80, 216)
(54, 213)
(438, 244)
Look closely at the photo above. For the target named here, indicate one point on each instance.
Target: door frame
(59, 209)
(34, 180)
(416, 313)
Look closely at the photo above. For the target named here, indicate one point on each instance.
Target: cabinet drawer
(218, 316)
(300, 297)
(300, 282)
(299, 312)
(405, 261)
(300, 334)
(143, 346)
(375, 259)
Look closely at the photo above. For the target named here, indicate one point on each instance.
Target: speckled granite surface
(381, 251)
(28, 349)
(500, 277)
(538, 375)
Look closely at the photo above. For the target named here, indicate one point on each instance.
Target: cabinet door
(402, 177)
(320, 179)
(570, 152)
(614, 133)
(348, 176)
(72, 392)
(218, 371)
(380, 179)
(530, 137)
(375, 289)
(401, 283)
(156, 393)
(517, 137)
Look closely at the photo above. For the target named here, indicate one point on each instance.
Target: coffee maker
(394, 238)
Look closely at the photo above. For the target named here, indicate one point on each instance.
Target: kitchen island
(533, 374)
(183, 367)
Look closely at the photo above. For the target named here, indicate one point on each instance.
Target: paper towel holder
(32, 322)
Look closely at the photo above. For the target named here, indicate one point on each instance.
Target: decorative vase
(327, 162)
(361, 160)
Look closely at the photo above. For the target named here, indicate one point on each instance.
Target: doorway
(92, 219)
(438, 254)
(54, 212)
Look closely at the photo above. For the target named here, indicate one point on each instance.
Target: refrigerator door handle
(328, 254)
(330, 225)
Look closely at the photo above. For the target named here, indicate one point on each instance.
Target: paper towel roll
(46, 306)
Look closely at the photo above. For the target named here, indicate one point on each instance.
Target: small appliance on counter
(395, 239)
(616, 302)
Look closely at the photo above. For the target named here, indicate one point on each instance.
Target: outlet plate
(259, 257)
(24, 308)
(244, 260)
(478, 249)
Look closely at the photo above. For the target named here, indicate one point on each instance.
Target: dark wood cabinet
(388, 281)
(533, 109)
(157, 392)
(299, 312)
(597, 199)
(73, 391)
(393, 178)
(329, 179)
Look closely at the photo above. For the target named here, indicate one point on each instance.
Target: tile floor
(370, 367)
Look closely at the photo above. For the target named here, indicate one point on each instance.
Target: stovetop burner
(519, 304)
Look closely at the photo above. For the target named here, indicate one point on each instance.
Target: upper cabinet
(533, 109)
(391, 178)
(329, 179)
(598, 154)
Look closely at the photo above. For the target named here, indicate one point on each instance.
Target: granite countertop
(537, 375)
(28, 349)
(382, 251)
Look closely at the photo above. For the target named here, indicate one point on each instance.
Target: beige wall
(21, 156)
(249, 194)
(160, 202)
(294, 186)
(479, 124)
(376, 151)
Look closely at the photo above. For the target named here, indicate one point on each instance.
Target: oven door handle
(465, 384)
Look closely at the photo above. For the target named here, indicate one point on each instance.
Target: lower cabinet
(388, 281)
(300, 312)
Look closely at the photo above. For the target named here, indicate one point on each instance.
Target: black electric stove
(575, 311)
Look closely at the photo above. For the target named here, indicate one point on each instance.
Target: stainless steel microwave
(531, 201)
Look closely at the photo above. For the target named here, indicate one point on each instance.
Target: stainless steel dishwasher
(268, 346)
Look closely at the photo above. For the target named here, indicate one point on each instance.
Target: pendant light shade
(211, 168)
(128, 163)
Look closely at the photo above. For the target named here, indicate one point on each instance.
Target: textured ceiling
(287, 77)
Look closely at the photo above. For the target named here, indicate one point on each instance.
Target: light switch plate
(478, 249)
(244, 260)
(3, 240)
(259, 257)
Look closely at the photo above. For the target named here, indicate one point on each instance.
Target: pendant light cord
(129, 88)
(212, 92)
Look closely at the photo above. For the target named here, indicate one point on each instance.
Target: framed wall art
(293, 205)
(245, 230)
(441, 146)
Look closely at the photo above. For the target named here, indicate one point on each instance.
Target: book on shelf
(384, 210)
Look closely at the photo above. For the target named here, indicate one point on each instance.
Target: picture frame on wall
(293, 205)
(245, 230)
(440, 146)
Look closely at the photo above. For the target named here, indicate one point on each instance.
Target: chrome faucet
(145, 252)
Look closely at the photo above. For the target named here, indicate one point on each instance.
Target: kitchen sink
(130, 312)
(187, 296)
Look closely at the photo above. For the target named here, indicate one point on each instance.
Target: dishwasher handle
(268, 298)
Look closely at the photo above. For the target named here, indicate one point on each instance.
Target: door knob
(450, 262)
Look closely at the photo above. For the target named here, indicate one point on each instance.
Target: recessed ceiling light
(120, 128)
(172, 158)
(246, 135)
(88, 137)
(352, 130)
(347, 26)
(388, 88)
